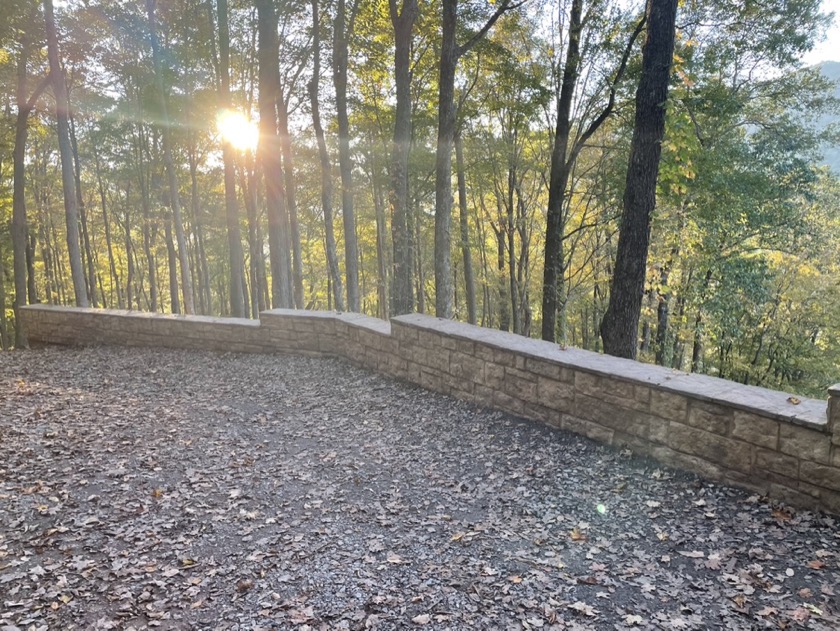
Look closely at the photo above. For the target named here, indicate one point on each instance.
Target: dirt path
(174, 490)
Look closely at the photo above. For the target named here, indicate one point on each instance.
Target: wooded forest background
(461, 159)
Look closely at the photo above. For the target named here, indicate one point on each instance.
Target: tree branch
(39, 90)
(608, 109)
(503, 8)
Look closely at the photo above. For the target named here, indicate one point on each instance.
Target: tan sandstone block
(775, 462)
(804, 443)
(494, 376)
(710, 417)
(466, 367)
(756, 429)
(820, 475)
(668, 405)
(725, 452)
(555, 393)
(587, 383)
(587, 428)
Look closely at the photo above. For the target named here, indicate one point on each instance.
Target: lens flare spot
(601, 509)
(235, 129)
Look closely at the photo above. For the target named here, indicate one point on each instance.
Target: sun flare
(236, 129)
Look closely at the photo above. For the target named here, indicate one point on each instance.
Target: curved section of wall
(751, 437)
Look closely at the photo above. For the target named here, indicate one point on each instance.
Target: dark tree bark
(291, 199)
(403, 22)
(90, 279)
(464, 224)
(169, 163)
(563, 159)
(237, 266)
(342, 31)
(324, 159)
(112, 266)
(256, 263)
(68, 183)
(200, 268)
(382, 264)
(4, 324)
(19, 223)
(450, 53)
(31, 289)
(148, 220)
(172, 257)
(663, 296)
(129, 255)
(268, 154)
(620, 326)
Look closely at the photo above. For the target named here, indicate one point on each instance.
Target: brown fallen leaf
(800, 614)
(782, 514)
(577, 535)
(816, 564)
(244, 585)
(582, 608)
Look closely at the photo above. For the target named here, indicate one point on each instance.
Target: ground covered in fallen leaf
(179, 490)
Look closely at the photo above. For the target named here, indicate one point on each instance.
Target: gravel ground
(179, 490)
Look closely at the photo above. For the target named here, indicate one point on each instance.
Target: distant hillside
(831, 154)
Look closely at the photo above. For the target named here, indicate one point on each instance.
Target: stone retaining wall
(750, 437)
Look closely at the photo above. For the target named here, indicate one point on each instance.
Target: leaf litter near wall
(144, 489)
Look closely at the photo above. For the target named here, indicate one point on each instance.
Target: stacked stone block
(750, 437)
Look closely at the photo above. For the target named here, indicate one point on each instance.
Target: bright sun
(242, 134)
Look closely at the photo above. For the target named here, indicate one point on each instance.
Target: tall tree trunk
(112, 266)
(19, 227)
(403, 23)
(450, 53)
(443, 161)
(619, 329)
(381, 248)
(174, 303)
(4, 324)
(254, 246)
(662, 316)
(269, 157)
(559, 177)
(88, 251)
(291, 199)
(326, 168)
(697, 345)
(511, 247)
(195, 210)
(464, 221)
(129, 280)
(414, 225)
(504, 302)
(564, 155)
(147, 224)
(169, 163)
(237, 294)
(68, 184)
(49, 274)
(31, 289)
(342, 32)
